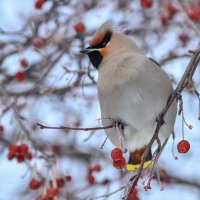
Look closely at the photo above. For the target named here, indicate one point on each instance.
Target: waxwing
(133, 90)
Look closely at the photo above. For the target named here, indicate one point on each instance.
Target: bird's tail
(136, 158)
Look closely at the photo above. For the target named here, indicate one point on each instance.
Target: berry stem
(183, 133)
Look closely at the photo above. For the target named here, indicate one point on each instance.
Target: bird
(133, 90)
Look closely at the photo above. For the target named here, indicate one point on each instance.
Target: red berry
(184, 38)
(13, 148)
(119, 164)
(79, 27)
(183, 146)
(56, 149)
(38, 43)
(20, 76)
(171, 10)
(1, 128)
(60, 182)
(20, 158)
(68, 178)
(23, 149)
(34, 184)
(29, 156)
(97, 168)
(39, 4)
(24, 62)
(164, 20)
(146, 3)
(116, 154)
(193, 13)
(90, 170)
(189, 85)
(105, 182)
(52, 192)
(91, 179)
(10, 156)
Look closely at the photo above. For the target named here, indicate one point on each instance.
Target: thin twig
(41, 126)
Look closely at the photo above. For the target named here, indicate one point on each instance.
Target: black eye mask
(104, 42)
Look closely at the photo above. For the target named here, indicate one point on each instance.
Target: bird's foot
(160, 119)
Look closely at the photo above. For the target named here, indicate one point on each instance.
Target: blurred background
(44, 79)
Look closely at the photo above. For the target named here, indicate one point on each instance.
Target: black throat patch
(95, 58)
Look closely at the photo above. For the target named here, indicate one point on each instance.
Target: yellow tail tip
(131, 167)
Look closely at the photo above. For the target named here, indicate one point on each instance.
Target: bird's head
(105, 43)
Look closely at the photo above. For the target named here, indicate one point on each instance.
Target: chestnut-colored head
(106, 42)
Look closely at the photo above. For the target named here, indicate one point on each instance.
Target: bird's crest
(100, 33)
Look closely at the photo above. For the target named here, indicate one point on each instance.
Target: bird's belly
(139, 116)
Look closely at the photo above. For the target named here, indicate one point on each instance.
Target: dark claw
(160, 119)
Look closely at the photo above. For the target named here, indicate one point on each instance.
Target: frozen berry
(116, 154)
(119, 164)
(23, 149)
(29, 156)
(184, 38)
(13, 148)
(183, 146)
(68, 178)
(10, 156)
(171, 10)
(146, 3)
(91, 179)
(60, 182)
(24, 62)
(52, 192)
(79, 27)
(90, 170)
(20, 76)
(164, 20)
(97, 168)
(34, 184)
(39, 4)
(38, 43)
(193, 13)
(20, 158)
(189, 85)
(105, 182)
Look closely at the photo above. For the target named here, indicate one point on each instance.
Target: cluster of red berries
(146, 3)
(52, 192)
(183, 146)
(91, 170)
(39, 4)
(169, 12)
(34, 184)
(119, 161)
(79, 27)
(20, 152)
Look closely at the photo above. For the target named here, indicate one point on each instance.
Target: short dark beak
(88, 50)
